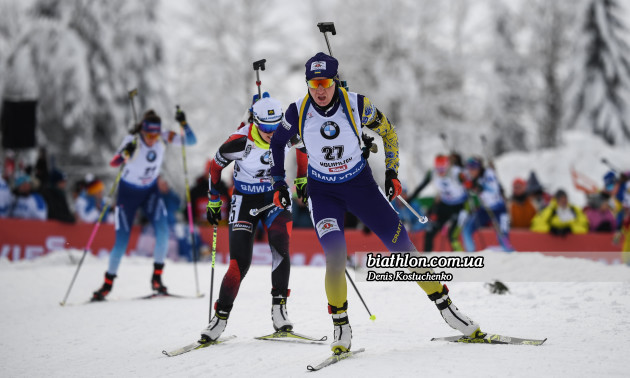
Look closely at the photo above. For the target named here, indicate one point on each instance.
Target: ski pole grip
(260, 65)
(327, 27)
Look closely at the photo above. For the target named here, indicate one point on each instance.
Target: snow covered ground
(586, 324)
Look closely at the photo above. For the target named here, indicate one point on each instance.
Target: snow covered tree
(510, 89)
(602, 74)
(83, 56)
(551, 23)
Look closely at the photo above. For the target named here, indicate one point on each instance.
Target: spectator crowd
(468, 197)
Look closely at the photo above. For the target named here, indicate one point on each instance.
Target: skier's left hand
(300, 188)
(213, 211)
(180, 116)
(393, 188)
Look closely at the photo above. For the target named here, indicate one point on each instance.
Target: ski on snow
(490, 339)
(169, 295)
(149, 296)
(334, 359)
(196, 345)
(291, 336)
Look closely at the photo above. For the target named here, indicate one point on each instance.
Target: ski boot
(101, 293)
(156, 280)
(453, 317)
(279, 314)
(343, 331)
(217, 325)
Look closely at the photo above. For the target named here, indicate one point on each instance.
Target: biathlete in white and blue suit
(143, 155)
(330, 120)
(248, 148)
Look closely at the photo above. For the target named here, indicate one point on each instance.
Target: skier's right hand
(213, 212)
(128, 150)
(393, 188)
(281, 196)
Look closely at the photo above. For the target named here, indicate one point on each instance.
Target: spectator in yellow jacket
(560, 217)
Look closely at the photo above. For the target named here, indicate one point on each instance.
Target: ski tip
(373, 317)
(165, 353)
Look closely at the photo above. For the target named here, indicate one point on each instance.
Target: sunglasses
(315, 83)
(149, 137)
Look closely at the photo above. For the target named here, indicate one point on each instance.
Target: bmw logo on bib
(264, 158)
(329, 130)
(151, 155)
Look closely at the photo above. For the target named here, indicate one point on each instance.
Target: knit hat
(473, 163)
(95, 187)
(22, 179)
(321, 65)
(519, 183)
(151, 127)
(57, 176)
(441, 161)
(560, 193)
(609, 180)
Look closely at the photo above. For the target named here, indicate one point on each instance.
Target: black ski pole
(259, 65)
(132, 94)
(445, 142)
(372, 317)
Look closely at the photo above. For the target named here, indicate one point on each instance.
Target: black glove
(392, 185)
(281, 197)
(213, 212)
(180, 116)
(368, 146)
(128, 150)
(300, 186)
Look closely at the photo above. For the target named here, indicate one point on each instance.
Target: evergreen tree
(551, 24)
(510, 95)
(602, 76)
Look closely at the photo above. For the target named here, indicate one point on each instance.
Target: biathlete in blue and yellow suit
(330, 120)
(143, 156)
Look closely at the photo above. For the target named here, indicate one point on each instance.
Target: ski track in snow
(586, 324)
